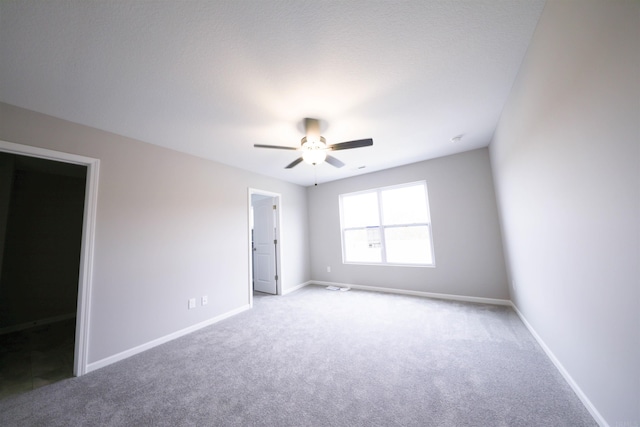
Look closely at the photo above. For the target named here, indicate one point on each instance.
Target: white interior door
(264, 246)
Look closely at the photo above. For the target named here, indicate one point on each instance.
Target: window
(389, 225)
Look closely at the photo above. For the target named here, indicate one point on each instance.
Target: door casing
(265, 273)
(83, 316)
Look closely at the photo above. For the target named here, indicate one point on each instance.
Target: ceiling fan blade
(334, 162)
(279, 147)
(351, 144)
(294, 163)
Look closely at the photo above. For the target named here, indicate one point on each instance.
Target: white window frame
(382, 226)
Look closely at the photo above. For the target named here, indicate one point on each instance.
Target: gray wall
(466, 233)
(169, 227)
(566, 163)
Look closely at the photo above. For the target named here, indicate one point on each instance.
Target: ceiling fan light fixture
(314, 157)
(314, 152)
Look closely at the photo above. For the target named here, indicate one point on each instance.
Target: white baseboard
(34, 323)
(481, 300)
(139, 349)
(295, 288)
(578, 391)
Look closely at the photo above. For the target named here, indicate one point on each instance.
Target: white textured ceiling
(211, 78)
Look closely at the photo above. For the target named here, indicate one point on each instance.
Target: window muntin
(389, 225)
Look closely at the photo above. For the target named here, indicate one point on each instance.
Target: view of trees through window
(389, 225)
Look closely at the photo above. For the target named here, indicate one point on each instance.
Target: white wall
(169, 227)
(566, 164)
(467, 241)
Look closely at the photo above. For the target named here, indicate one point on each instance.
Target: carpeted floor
(324, 358)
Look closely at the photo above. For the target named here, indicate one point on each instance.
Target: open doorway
(264, 245)
(47, 220)
(41, 210)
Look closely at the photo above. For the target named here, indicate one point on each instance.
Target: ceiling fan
(314, 147)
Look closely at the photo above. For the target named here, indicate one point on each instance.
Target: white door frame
(81, 352)
(265, 274)
(278, 204)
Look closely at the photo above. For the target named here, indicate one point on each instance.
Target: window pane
(405, 205)
(362, 245)
(360, 210)
(408, 245)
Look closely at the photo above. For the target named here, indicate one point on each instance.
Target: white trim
(35, 323)
(162, 340)
(86, 269)
(85, 277)
(295, 288)
(576, 388)
(480, 300)
(43, 153)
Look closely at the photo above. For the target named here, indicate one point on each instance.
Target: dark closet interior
(41, 216)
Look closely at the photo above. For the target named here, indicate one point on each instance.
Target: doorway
(264, 245)
(30, 166)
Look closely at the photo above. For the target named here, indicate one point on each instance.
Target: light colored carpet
(324, 358)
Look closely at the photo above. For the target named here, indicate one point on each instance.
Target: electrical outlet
(205, 300)
(192, 303)
(328, 269)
